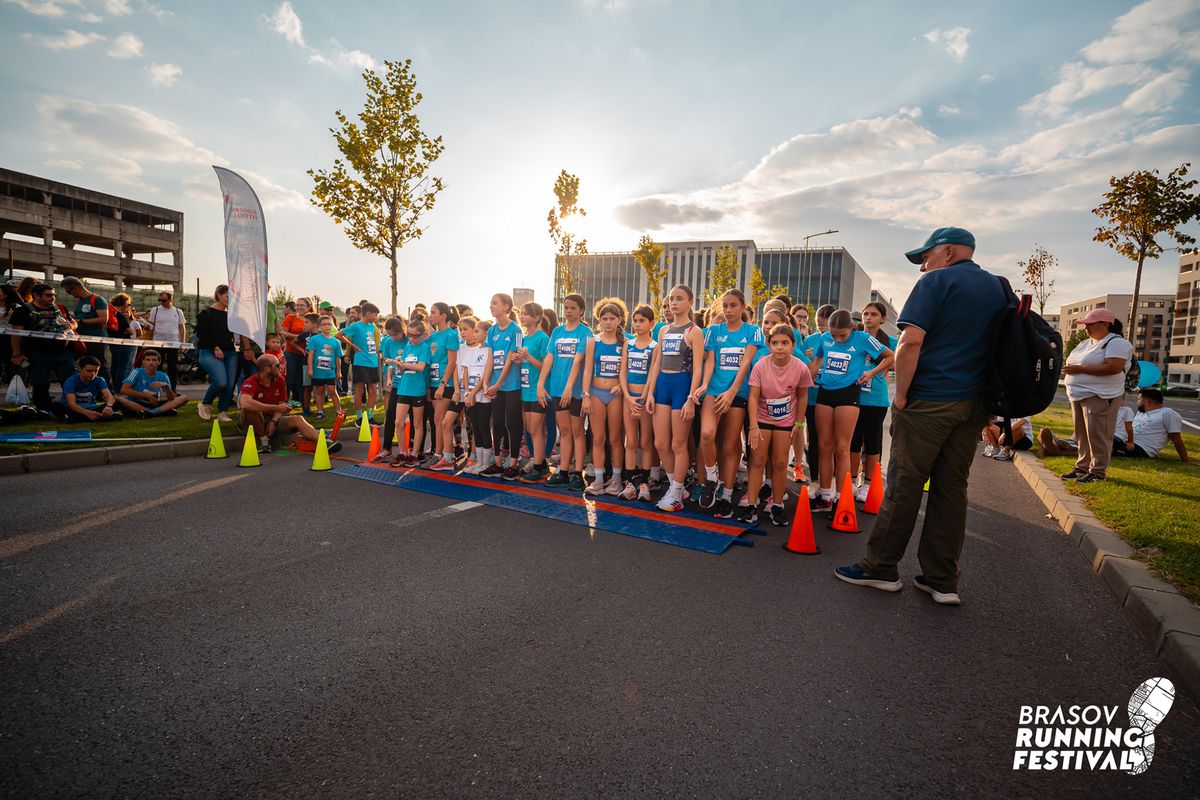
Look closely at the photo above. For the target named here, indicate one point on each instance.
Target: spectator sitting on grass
(1001, 437)
(1153, 426)
(1051, 445)
(147, 392)
(264, 408)
(86, 397)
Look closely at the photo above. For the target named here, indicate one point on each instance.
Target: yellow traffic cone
(364, 428)
(216, 445)
(321, 457)
(925, 488)
(249, 450)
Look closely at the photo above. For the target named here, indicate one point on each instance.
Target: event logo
(1087, 737)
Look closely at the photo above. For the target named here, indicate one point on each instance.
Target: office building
(521, 297)
(60, 230)
(817, 275)
(1154, 312)
(1183, 362)
(889, 324)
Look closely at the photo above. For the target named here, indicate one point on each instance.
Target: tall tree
(1137, 209)
(1036, 272)
(381, 188)
(648, 255)
(281, 295)
(759, 293)
(568, 245)
(723, 276)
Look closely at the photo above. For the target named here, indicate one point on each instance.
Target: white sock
(766, 482)
(727, 494)
(489, 456)
(448, 456)
(710, 473)
(596, 472)
(676, 486)
(616, 474)
(827, 493)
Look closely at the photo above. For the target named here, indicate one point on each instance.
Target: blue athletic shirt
(441, 343)
(391, 348)
(810, 342)
(86, 394)
(415, 384)
(362, 335)
(606, 359)
(502, 343)
(564, 345)
(536, 346)
(139, 380)
(638, 368)
(657, 329)
(845, 362)
(326, 351)
(729, 347)
(875, 391)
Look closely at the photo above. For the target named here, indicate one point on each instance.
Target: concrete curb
(1168, 620)
(125, 454)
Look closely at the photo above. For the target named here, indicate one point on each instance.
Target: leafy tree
(723, 275)
(1036, 272)
(647, 255)
(1137, 209)
(1073, 340)
(759, 293)
(381, 187)
(281, 295)
(569, 246)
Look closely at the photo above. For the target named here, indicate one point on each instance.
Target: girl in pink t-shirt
(778, 398)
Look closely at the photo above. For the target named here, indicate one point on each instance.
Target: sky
(684, 119)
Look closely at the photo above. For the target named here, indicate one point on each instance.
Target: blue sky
(768, 120)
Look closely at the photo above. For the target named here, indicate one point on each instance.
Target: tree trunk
(394, 281)
(1133, 309)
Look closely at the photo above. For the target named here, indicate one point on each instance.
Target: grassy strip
(1152, 503)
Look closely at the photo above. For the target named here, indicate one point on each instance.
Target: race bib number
(730, 357)
(371, 346)
(672, 344)
(85, 398)
(472, 381)
(610, 366)
(435, 372)
(524, 377)
(866, 387)
(639, 363)
(779, 407)
(498, 358)
(837, 363)
(566, 347)
(324, 363)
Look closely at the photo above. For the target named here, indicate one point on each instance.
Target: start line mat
(681, 529)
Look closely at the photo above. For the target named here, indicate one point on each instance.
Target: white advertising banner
(245, 257)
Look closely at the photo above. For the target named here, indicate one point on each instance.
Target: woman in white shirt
(1095, 378)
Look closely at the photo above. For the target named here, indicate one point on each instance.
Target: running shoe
(615, 487)
(855, 574)
(798, 474)
(747, 513)
(559, 479)
(655, 483)
(596, 487)
(629, 491)
(941, 598)
(383, 457)
(860, 494)
(576, 484)
(822, 503)
(335, 447)
(670, 502)
(534, 473)
(442, 465)
(988, 451)
(264, 445)
(723, 509)
(320, 416)
(472, 469)
(1073, 474)
(1090, 478)
(643, 493)
(492, 471)
(777, 516)
(512, 473)
(223, 417)
(205, 411)
(764, 493)
(1003, 455)
(400, 460)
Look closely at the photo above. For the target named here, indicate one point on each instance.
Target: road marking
(1190, 424)
(60, 610)
(435, 513)
(19, 544)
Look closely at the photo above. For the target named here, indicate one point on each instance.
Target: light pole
(807, 261)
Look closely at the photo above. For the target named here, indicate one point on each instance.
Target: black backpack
(1026, 359)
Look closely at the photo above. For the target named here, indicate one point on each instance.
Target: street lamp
(807, 260)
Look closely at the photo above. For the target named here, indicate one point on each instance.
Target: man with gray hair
(941, 374)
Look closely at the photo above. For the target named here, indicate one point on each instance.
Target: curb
(1168, 620)
(124, 454)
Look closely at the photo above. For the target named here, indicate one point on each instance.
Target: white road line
(435, 513)
(1190, 424)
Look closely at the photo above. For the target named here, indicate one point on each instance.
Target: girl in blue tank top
(639, 427)
(602, 394)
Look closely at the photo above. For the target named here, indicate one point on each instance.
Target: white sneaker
(475, 468)
(988, 451)
(860, 494)
(629, 492)
(223, 417)
(205, 411)
(616, 486)
(1003, 455)
(596, 487)
(941, 598)
(670, 502)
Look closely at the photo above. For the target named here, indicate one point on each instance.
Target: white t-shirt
(166, 322)
(1150, 428)
(1124, 414)
(471, 361)
(1026, 427)
(1090, 353)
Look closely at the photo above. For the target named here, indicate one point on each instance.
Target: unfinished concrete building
(59, 229)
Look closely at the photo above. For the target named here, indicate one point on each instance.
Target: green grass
(187, 425)
(1153, 503)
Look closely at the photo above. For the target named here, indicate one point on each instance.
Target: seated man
(86, 397)
(1153, 426)
(1001, 437)
(147, 391)
(264, 408)
(1123, 434)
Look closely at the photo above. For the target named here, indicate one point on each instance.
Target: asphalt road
(189, 629)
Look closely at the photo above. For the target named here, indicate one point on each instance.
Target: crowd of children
(621, 404)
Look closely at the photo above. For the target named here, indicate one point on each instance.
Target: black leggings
(480, 416)
(389, 423)
(868, 432)
(812, 448)
(507, 423)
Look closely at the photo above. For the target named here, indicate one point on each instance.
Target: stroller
(189, 368)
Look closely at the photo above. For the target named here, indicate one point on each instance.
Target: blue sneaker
(860, 577)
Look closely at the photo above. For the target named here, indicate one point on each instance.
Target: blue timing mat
(692, 531)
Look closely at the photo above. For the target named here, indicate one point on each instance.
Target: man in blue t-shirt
(147, 392)
(941, 372)
(85, 396)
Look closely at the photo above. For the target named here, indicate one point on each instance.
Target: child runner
(639, 427)
(443, 346)
(778, 316)
(730, 347)
(813, 445)
(601, 393)
(778, 394)
(561, 384)
(410, 376)
(502, 375)
(390, 349)
(323, 353)
(868, 432)
(532, 354)
(841, 356)
(671, 390)
(472, 360)
(359, 338)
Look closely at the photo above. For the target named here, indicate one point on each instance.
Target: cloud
(949, 110)
(118, 8)
(952, 40)
(964, 156)
(1077, 81)
(651, 213)
(164, 75)
(113, 127)
(1159, 93)
(987, 77)
(49, 8)
(1149, 31)
(126, 46)
(67, 40)
(124, 171)
(203, 186)
(287, 24)
(65, 163)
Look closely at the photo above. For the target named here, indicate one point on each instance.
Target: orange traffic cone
(375, 447)
(875, 493)
(801, 539)
(845, 519)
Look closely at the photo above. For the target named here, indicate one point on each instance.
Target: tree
(759, 293)
(381, 187)
(1036, 273)
(723, 275)
(1073, 340)
(569, 246)
(1137, 209)
(647, 255)
(281, 295)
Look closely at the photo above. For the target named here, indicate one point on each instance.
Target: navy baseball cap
(942, 236)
